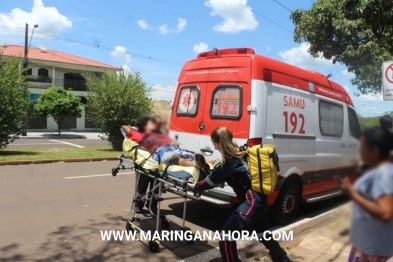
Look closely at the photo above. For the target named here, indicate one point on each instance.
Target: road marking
(73, 177)
(68, 143)
(33, 144)
(215, 252)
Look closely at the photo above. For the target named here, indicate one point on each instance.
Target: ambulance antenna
(329, 76)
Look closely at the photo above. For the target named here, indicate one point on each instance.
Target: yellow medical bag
(262, 161)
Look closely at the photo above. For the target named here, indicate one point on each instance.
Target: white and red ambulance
(310, 119)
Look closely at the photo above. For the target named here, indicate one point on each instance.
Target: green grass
(56, 153)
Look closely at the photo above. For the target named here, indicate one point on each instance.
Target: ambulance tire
(286, 205)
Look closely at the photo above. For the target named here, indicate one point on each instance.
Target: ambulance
(311, 121)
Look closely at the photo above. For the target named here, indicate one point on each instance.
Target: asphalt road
(54, 212)
(56, 143)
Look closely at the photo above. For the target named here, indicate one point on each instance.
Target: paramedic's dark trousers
(250, 215)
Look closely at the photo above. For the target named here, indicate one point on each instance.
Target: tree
(117, 99)
(368, 122)
(59, 104)
(356, 33)
(14, 100)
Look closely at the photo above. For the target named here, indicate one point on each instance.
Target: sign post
(387, 80)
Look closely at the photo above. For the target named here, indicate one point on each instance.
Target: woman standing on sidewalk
(253, 207)
(371, 232)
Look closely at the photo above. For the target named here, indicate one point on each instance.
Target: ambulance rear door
(188, 105)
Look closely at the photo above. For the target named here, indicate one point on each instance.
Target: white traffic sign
(387, 80)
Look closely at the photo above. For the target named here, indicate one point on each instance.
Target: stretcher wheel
(154, 246)
(114, 171)
(129, 227)
(165, 223)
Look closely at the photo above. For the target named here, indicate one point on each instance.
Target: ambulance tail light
(267, 75)
(254, 141)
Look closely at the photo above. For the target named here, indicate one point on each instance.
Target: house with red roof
(48, 68)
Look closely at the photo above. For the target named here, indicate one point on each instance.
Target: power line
(97, 46)
(255, 12)
(283, 6)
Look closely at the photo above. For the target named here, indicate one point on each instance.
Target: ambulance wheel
(154, 246)
(286, 205)
(165, 223)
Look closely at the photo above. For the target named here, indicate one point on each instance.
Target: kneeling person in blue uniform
(253, 207)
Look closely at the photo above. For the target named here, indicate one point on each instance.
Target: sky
(156, 37)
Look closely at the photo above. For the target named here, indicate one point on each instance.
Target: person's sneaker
(137, 209)
(138, 206)
(201, 163)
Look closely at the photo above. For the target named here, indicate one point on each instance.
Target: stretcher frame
(162, 182)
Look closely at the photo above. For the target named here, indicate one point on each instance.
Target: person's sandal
(201, 163)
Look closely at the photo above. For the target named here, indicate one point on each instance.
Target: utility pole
(25, 64)
(26, 45)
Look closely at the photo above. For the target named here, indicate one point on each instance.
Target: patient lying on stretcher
(168, 151)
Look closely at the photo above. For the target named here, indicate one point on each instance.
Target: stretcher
(172, 178)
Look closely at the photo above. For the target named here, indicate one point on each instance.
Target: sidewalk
(329, 243)
(66, 134)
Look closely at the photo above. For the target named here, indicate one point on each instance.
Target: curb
(66, 160)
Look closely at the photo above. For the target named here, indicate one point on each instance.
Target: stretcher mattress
(143, 158)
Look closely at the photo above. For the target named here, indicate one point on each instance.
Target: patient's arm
(126, 129)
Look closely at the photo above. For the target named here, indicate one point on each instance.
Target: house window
(75, 82)
(331, 119)
(42, 72)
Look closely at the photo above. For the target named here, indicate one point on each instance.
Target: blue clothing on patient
(161, 151)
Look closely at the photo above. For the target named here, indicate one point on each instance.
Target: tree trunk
(59, 125)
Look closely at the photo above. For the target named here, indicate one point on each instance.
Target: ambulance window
(226, 102)
(187, 104)
(331, 119)
(354, 126)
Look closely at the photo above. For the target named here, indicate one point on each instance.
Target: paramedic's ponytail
(223, 136)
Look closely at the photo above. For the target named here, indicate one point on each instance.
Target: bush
(14, 100)
(116, 99)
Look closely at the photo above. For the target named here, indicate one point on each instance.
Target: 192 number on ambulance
(294, 120)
